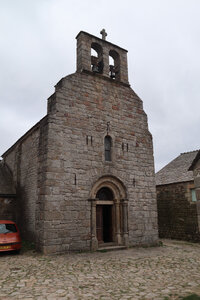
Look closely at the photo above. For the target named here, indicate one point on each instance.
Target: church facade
(84, 174)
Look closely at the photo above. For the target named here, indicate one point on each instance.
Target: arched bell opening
(96, 58)
(114, 65)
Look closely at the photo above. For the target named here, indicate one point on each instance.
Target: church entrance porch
(109, 213)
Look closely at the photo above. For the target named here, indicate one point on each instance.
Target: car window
(7, 228)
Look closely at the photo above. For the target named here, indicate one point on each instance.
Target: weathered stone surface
(177, 214)
(195, 167)
(22, 159)
(7, 208)
(7, 194)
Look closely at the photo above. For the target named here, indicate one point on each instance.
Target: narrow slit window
(108, 147)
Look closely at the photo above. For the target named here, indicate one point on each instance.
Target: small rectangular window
(193, 193)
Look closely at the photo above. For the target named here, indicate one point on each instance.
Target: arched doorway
(109, 213)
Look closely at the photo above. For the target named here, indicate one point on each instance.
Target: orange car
(10, 239)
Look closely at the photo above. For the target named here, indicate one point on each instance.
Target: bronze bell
(112, 71)
(95, 68)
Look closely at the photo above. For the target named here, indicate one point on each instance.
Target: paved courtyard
(165, 272)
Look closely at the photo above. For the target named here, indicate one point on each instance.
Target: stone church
(83, 176)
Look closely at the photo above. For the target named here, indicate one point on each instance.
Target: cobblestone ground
(166, 272)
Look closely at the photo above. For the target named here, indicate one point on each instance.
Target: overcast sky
(38, 48)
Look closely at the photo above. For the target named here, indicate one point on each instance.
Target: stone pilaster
(117, 222)
(125, 221)
(94, 241)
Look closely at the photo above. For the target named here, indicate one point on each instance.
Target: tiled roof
(197, 157)
(177, 169)
(6, 182)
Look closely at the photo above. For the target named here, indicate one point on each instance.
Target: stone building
(84, 174)
(195, 167)
(7, 194)
(178, 212)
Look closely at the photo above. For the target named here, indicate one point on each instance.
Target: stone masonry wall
(197, 179)
(177, 214)
(22, 159)
(42, 179)
(7, 208)
(197, 188)
(78, 113)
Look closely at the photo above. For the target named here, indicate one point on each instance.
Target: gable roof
(177, 169)
(197, 157)
(6, 181)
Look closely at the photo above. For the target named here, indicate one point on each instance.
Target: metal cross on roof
(104, 34)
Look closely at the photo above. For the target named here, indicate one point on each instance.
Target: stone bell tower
(100, 63)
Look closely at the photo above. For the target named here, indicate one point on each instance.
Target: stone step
(111, 248)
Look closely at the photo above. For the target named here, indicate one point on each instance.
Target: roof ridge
(190, 151)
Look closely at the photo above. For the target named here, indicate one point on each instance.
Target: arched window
(107, 147)
(96, 58)
(105, 194)
(114, 62)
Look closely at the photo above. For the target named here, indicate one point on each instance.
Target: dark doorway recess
(104, 194)
(104, 223)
